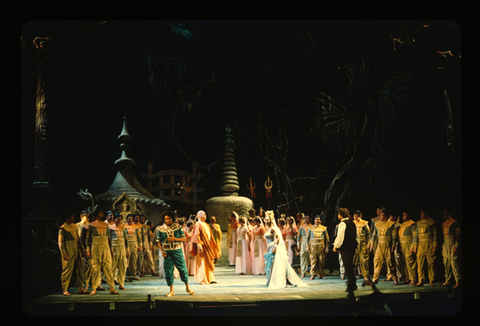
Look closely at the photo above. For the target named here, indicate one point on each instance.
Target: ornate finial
(124, 137)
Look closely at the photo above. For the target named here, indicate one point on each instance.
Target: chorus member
(217, 235)
(426, 240)
(399, 261)
(205, 250)
(346, 243)
(386, 234)
(169, 237)
(317, 246)
(341, 267)
(232, 239)
(243, 264)
(363, 239)
(87, 261)
(133, 240)
(302, 246)
(290, 233)
(450, 247)
(120, 250)
(189, 260)
(148, 263)
(99, 249)
(83, 221)
(259, 248)
(406, 233)
(72, 250)
(141, 239)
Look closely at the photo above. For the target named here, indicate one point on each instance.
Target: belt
(98, 240)
(448, 238)
(316, 242)
(132, 238)
(385, 238)
(259, 237)
(71, 244)
(405, 239)
(425, 237)
(289, 237)
(118, 242)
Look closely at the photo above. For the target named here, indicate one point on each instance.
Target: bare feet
(121, 287)
(114, 292)
(190, 291)
(93, 292)
(170, 294)
(66, 293)
(82, 291)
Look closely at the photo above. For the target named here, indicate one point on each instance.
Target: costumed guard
(120, 251)
(451, 242)
(406, 233)
(386, 234)
(317, 245)
(72, 251)
(363, 239)
(426, 241)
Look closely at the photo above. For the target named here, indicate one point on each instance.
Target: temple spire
(229, 184)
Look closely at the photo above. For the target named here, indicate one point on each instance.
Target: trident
(268, 186)
(251, 188)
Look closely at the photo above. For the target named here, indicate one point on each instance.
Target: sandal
(66, 293)
(445, 284)
(82, 291)
(114, 292)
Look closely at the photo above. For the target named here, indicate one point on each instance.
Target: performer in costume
(99, 248)
(217, 236)
(279, 272)
(426, 240)
(302, 245)
(72, 250)
(87, 261)
(259, 248)
(386, 233)
(205, 250)
(317, 246)
(120, 251)
(451, 243)
(406, 233)
(363, 239)
(346, 243)
(243, 264)
(133, 240)
(232, 239)
(148, 265)
(169, 238)
(290, 232)
(190, 260)
(141, 240)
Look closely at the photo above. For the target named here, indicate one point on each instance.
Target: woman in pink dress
(189, 260)
(243, 264)
(259, 248)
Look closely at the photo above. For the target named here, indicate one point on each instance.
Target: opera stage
(248, 295)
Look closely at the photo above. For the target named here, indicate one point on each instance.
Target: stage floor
(231, 290)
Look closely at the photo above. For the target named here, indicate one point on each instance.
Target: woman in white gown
(279, 272)
(243, 264)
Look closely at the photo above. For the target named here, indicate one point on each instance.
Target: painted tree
(360, 124)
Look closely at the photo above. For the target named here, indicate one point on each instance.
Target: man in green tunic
(169, 236)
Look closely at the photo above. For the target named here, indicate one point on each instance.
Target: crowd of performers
(102, 249)
(407, 249)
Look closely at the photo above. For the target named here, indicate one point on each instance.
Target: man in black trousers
(346, 243)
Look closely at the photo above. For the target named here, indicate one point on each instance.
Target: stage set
(248, 295)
